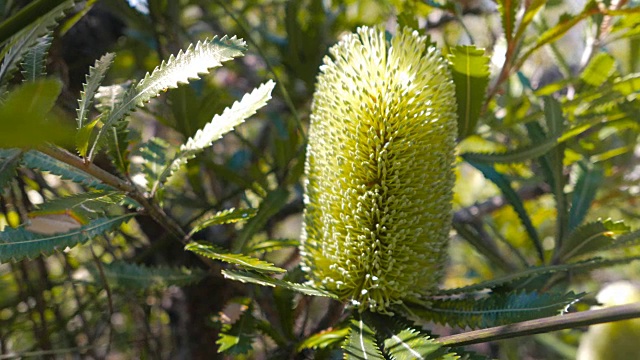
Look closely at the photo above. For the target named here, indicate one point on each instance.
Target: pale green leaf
(522, 154)
(218, 126)
(590, 237)
(17, 244)
(266, 246)
(90, 87)
(263, 280)
(600, 68)
(228, 216)
(470, 71)
(177, 69)
(243, 261)
(324, 339)
(85, 206)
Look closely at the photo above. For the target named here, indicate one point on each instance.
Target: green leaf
(514, 199)
(237, 338)
(589, 179)
(493, 310)
(589, 238)
(37, 160)
(274, 201)
(24, 112)
(324, 339)
(177, 69)
(34, 61)
(155, 154)
(263, 280)
(22, 41)
(96, 74)
(507, 9)
(272, 245)
(400, 341)
(361, 343)
(243, 261)
(141, 277)
(228, 216)
(599, 69)
(218, 126)
(17, 244)
(470, 71)
(518, 155)
(86, 206)
(9, 161)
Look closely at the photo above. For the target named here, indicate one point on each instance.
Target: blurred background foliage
(74, 304)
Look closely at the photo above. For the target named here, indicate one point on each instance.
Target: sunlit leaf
(263, 280)
(599, 69)
(228, 216)
(590, 237)
(361, 343)
(243, 261)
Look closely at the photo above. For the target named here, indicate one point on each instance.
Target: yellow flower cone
(379, 174)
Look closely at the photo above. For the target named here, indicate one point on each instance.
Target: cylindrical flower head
(379, 174)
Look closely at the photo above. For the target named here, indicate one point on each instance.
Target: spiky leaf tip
(379, 175)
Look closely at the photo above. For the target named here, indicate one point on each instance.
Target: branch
(538, 326)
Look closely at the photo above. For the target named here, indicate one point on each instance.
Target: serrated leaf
(119, 139)
(177, 69)
(155, 154)
(243, 261)
(599, 69)
(21, 42)
(228, 216)
(25, 116)
(400, 341)
(90, 87)
(507, 9)
(590, 238)
(9, 161)
(263, 280)
(324, 339)
(272, 245)
(141, 277)
(17, 244)
(470, 71)
(34, 61)
(361, 343)
(272, 203)
(590, 178)
(516, 202)
(518, 155)
(237, 338)
(494, 309)
(218, 126)
(37, 160)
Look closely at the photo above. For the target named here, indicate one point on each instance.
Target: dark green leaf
(34, 61)
(494, 309)
(589, 179)
(274, 201)
(37, 160)
(470, 71)
(17, 244)
(237, 338)
(140, 277)
(9, 161)
(361, 343)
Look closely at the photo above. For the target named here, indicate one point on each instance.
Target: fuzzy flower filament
(379, 175)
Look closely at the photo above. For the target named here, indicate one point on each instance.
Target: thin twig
(538, 326)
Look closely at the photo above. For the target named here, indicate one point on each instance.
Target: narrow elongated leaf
(470, 71)
(400, 341)
(24, 116)
(518, 155)
(21, 42)
(90, 87)
(494, 309)
(600, 68)
(272, 245)
(140, 277)
(155, 154)
(228, 216)
(218, 126)
(17, 244)
(590, 238)
(9, 161)
(325, 339)
(361, 343)
(507, 9)
(263, 280)
(243, 261)
(37, 160)
(34, 61)
(83, 206)
(237, 338)
(514, 199)
(590, 178)
(177, 69)
(274, 201)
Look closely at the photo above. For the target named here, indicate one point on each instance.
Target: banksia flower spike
(379, 174)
